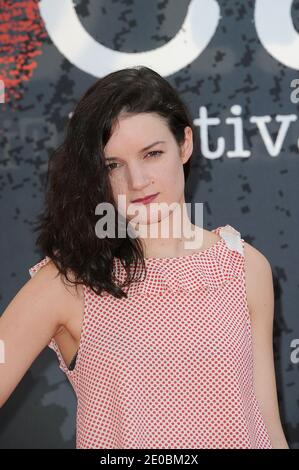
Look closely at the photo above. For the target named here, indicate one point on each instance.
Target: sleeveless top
(171, 366)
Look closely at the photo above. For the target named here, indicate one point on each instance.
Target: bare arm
(260, 298)
(32, 318)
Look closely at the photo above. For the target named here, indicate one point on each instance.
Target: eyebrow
(142, 150)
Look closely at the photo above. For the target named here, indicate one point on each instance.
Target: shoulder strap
(36, 267)
(232, 238)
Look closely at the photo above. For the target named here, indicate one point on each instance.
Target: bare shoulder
(259, 277)
(41, 307)
(255, 261)
(68, 297)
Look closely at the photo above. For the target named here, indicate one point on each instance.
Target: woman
(179, 358)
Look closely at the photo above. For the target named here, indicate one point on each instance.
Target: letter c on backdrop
(83, 51)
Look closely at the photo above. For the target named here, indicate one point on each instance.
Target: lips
(146, 199)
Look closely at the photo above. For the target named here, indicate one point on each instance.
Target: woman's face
(136, 172)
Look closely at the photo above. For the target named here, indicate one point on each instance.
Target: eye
(110, 167)
(154, 153)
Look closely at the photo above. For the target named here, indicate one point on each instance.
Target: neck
(172, 236)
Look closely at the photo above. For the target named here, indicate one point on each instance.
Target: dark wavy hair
(77, 179)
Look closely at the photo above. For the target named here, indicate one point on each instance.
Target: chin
(149, 214)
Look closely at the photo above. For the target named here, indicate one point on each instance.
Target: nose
(138, 178)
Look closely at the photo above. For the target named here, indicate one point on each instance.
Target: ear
(187, 146)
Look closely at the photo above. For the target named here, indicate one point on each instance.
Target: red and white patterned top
(171, 366)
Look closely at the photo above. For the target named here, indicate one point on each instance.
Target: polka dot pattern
(171, 366)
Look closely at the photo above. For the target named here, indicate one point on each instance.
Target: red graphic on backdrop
(21, 35)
